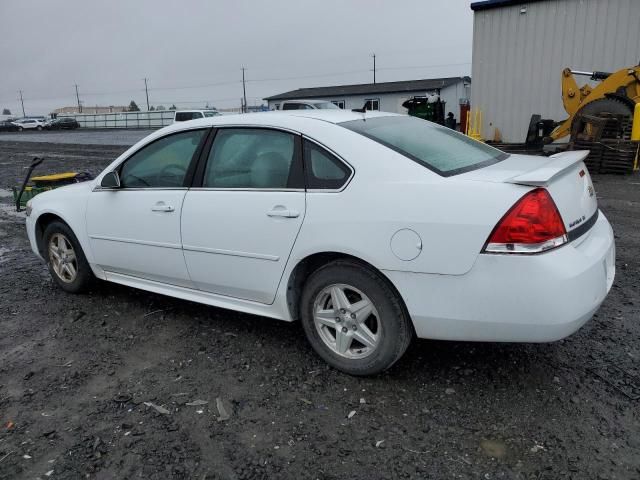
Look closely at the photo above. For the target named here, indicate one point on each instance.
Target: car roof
(282, 118)
(302, 121)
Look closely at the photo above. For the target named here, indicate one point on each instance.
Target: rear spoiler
(557, 164)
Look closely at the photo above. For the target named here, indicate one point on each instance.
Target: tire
(20, 129)
(39, 127)
(605, 105)
(388, 326)
(59, 237)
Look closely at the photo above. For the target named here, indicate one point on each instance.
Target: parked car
(29, 124)
(62, 123)
(185, 115)
(369, 229)
(308, 105)
(6, 126)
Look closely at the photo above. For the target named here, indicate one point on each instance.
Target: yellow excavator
(617, 94)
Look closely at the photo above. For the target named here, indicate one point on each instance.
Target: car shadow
(474, 363)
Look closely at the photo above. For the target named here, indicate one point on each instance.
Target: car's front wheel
(354, 319)
(39, 127)
(20, 129)
(67, 264)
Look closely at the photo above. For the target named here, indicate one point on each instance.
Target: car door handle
(161, 207)
(280, 211)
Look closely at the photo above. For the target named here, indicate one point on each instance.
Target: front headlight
(27, 208)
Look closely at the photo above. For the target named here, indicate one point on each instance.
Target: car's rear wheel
(39, 127)
(67, 264)
(354, 319)
(20, 129)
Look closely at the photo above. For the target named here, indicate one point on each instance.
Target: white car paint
(228, 252)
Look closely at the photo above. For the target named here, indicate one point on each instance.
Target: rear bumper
(515, 298)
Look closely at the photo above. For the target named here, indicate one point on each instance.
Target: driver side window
(163, 163)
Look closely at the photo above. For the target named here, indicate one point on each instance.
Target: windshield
(326, 106)
(438, 148)
(211, 113)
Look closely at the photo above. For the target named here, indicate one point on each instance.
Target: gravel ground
(100, 385)
(78, 137)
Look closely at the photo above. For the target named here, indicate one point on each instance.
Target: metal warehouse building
(385, 96)
(521, 47)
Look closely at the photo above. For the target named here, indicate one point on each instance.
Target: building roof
(369, 88)
(487, 4)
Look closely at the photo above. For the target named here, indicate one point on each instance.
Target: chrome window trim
(340, 158)
(98, 188)
(249, 189)
(252, 125)
(175, 132)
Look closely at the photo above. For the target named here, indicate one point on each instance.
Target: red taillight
(532, 225)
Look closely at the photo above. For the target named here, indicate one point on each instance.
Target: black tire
(84, 275)
(605, 105)
(20, 129)
(39, 127)
(397, 329)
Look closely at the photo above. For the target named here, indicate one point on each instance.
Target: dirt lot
(78, 137)
(77, 374)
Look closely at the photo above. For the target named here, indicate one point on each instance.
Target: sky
(192, 51)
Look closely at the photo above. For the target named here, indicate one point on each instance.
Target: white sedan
(370, 228)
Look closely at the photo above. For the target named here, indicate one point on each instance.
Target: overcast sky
(192, 51)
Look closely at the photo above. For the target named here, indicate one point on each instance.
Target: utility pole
(374, 67)
(78, 99)
(146, 90)
(244, 93)
(22, 103)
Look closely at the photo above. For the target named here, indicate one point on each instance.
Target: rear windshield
(438, 148)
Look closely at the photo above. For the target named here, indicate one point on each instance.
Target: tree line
(133, 107)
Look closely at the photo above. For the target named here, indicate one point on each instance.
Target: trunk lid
(564, 175)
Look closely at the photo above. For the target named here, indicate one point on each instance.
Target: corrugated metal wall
(518, 57)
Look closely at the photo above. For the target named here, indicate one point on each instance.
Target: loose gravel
(121, 383)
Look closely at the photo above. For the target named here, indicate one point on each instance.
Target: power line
(256, 80)
(425, 66)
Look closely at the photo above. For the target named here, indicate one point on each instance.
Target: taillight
(532, 225)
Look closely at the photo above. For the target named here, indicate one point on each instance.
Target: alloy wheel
(347, 321)
(63, 258)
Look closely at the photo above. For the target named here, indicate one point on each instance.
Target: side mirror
(110, 180)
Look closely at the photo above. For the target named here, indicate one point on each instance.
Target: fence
(156, 119)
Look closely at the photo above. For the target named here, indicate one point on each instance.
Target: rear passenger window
(322, 169)
(253, 158)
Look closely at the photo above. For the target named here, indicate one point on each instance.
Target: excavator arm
(623, 84)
